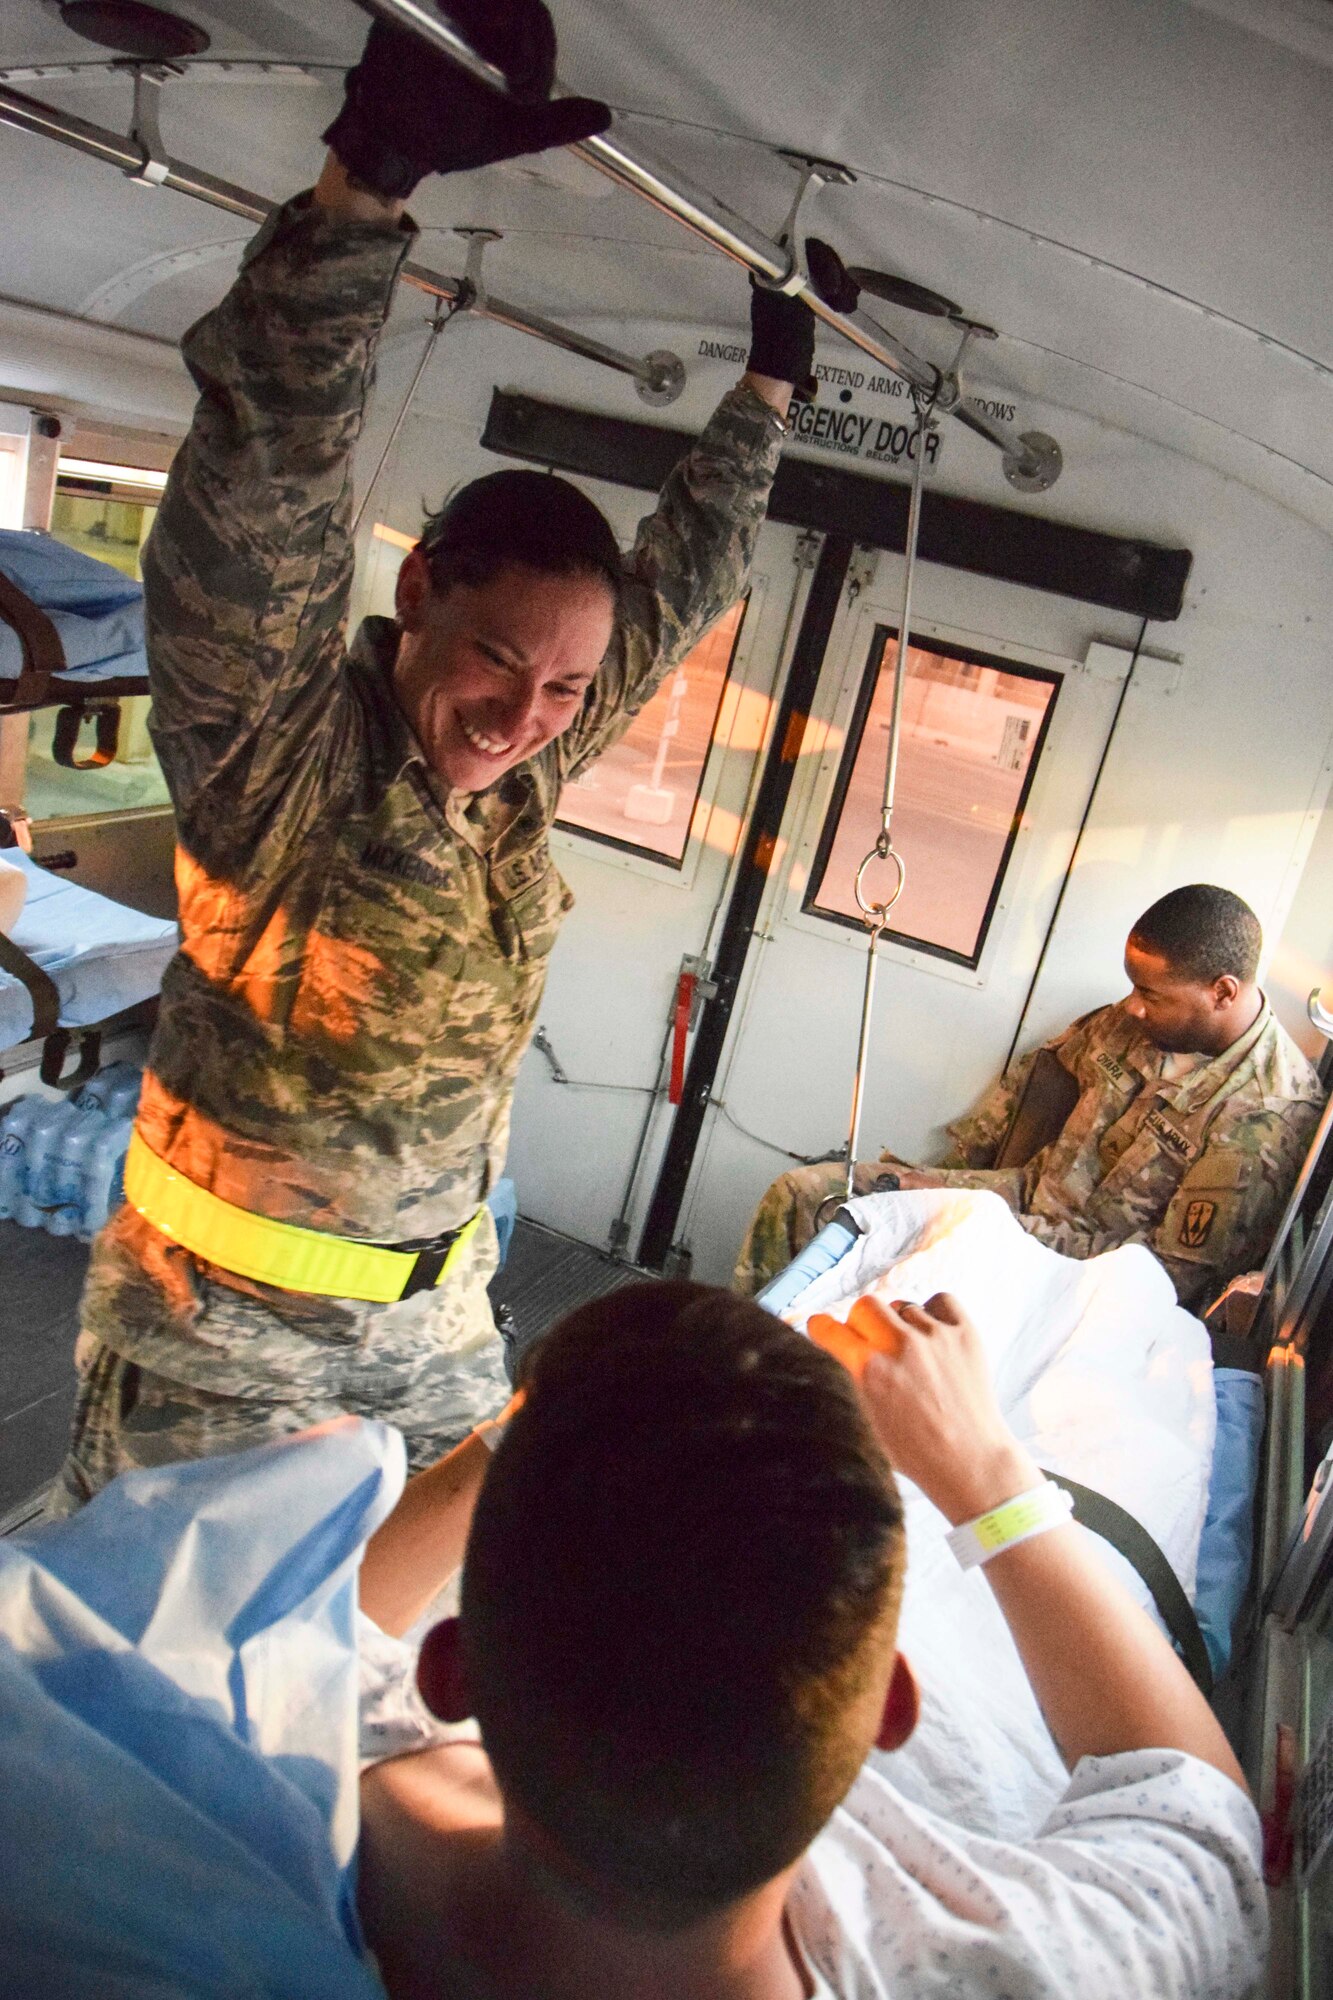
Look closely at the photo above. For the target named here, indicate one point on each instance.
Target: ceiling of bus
(1137, 193)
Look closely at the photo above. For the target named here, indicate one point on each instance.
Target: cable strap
(43, 654)
(1131, 1540)
(42, 988)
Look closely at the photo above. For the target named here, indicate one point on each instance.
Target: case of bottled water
(62, 1160)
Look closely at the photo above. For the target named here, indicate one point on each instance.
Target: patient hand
(923, 1376)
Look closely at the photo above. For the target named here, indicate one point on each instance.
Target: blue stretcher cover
(102, 956)
(1226, 1545)
(96, 610)
(178, 1729)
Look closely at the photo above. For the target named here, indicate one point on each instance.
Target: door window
(972, 732)
(641, 794)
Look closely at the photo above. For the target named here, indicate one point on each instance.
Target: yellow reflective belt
(270, 1253)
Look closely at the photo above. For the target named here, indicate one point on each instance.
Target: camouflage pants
(798, 1204)
(432, 1365)
(794, 1209)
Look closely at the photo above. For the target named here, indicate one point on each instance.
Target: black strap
(57, 1047)
(69, 721)
(1131, 1539)
(425, 1273)
(45, 993)
(43, 654)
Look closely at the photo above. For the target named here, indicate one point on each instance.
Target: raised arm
(412, 1556)
(691, 558)
(1106, 1678)
(249, 565)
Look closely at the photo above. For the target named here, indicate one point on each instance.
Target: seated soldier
(1193, 1111)
(678, 1637)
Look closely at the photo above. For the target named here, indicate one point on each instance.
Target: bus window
(640, 795)
(972, 732)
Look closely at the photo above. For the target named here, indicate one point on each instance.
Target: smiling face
(1180, 1015)
(488, 674)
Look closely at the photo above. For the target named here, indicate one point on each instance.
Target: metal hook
(473, 290)
(877, 914)
(813, 173)
(145, 131)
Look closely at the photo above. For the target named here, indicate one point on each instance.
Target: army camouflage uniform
(362, 960)
(1198, 1166)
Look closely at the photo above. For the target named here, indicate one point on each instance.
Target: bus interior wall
(1136, 195)
(1176, 426)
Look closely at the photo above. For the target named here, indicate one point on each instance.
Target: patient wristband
(1017, 1520)
(493, 1429)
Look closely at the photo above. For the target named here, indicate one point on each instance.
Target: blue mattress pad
(102, 955)
(97, 612)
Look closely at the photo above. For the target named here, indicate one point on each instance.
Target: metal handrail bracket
(1032, 461)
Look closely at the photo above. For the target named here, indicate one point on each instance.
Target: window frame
(882, 632)
(636, 854)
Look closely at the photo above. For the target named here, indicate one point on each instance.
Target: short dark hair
(684, 1569)
(533, 519)
(1203, 933)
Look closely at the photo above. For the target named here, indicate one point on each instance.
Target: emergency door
(647, 842)
(1002, 740)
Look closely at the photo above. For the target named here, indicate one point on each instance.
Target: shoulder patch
(1197, 1223)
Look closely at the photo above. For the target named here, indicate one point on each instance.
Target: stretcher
(70, 626)
(72, 639)
(74, 959)
(1109, 1383)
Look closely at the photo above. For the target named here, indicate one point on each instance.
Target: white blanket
(1104, 1378)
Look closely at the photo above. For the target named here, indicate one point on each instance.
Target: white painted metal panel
(942, 1030)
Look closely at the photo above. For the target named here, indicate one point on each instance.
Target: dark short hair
(1203, 933)
(683, 1569)
(533, 519)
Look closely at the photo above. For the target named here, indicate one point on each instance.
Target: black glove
(411, 111)
(830, 277)
(782, 338)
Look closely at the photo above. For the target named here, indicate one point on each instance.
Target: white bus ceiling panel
(1129, 191)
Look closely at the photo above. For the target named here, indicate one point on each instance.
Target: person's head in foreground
(506, 608)
(679, 1605)
(1192, 960)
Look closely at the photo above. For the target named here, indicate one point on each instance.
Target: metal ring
(870, 911)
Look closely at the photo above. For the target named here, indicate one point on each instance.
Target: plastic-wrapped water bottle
(114, 1089)
(104, 1179)
(19, 1120)
(42, 1135)
(67, 1166)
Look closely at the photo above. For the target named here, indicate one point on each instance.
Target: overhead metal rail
(659, 377)
(1032, 461)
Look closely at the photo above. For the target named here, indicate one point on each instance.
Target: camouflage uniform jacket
(1198, 1168)
(361, 963)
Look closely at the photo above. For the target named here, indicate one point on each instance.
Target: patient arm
(1105, 1676)
(409, 1560)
